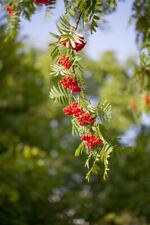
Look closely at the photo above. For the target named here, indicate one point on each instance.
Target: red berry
(75, 88)
(65, 82)
(77, 111)
(71, 109)
(85, 137)
(64, 60)
(9, 10)
(133, 104)
(147, 100)
(79, 46)
(68, 111)
(63, 42)
(45, 2)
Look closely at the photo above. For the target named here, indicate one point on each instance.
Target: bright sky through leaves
(120, 37)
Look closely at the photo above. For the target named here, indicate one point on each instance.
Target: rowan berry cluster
(83, 118)
(91, 141)
(64, 60)
(73, 109)
(68, 82)
(10, 10)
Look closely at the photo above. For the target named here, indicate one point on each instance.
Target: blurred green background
(41, 182)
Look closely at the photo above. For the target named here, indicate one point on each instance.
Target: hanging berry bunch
(87, 120)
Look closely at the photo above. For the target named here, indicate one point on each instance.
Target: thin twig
(78, 21)
(74, 71)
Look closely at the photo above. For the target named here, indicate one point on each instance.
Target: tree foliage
(68, 42)
(40, 182)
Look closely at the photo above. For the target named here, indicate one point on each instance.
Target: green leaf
(54, 35)
(95, 169)
(55, 52)
(83, 100)
(104, 156)
(96, 17)
(79, 150)
(60, 95)
(76, 128)
(58, 70)
(104, 111)
(87, 162)
(121, 150)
